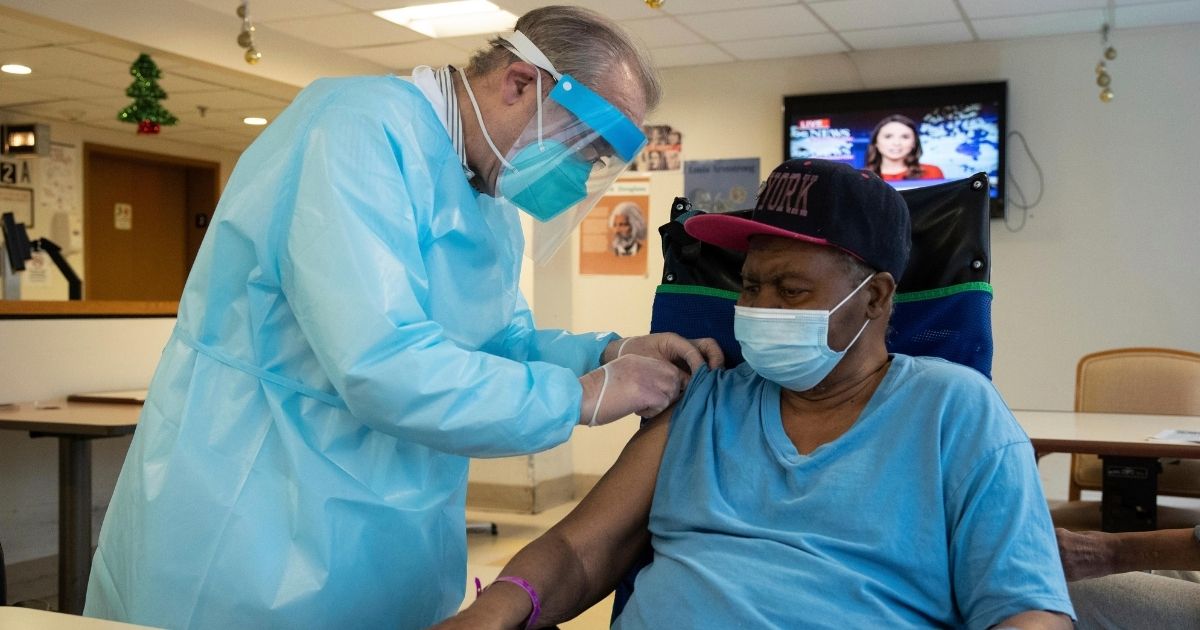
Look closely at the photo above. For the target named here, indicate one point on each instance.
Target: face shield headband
(567, 156)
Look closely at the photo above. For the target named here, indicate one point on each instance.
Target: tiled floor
(487, 555)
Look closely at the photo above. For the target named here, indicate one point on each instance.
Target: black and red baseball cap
(821, 202)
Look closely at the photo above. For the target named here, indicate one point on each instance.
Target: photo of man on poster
(627, 223)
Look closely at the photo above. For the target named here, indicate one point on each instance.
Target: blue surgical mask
(790, 347)
(545, 179)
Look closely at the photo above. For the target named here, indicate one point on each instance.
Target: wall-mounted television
(911, 136)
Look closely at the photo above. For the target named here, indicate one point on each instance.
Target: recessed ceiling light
(452, 19)
(254, 120)
(15, 68)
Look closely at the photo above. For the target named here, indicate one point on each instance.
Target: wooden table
(1130, 458)
(75, 425)
(31, 619)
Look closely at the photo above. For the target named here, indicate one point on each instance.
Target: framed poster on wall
(18, 201)
(612, 239)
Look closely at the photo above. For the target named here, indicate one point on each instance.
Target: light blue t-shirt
(927, 512)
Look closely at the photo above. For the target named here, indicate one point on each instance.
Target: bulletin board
(18, 201)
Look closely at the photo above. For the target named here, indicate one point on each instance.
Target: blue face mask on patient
(790, 347)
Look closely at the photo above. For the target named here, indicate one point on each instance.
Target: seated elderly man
(824, 483)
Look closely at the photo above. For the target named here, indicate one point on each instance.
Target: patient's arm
(581, 559)
(1036, 620)
(1095, 554)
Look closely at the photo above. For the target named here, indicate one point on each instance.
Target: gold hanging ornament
(655, 4)
(1103, 78)
(245, 39)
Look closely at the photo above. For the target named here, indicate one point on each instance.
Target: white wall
(41, 359)
(1110, 258)
(47, 359)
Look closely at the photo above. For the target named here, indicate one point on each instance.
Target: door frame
(191, 165)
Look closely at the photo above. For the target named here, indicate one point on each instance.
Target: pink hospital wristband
(529, 590)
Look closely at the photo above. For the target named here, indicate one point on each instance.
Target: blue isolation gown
(350, 334)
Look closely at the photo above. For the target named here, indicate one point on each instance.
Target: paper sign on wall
(37, 270)
(721, 185)
(612, 238)
(123, 216)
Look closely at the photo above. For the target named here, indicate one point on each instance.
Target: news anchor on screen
(895, 151)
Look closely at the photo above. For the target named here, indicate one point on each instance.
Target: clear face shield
(558, 170)
(567, 157)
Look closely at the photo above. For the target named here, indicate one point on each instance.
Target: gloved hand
(688, 354)
(629, 384)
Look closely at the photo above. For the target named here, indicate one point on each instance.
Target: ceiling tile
(215, 137)
(661, 32)
(350, 30)
(726, 26)
(38, 33)
(233, 119)
(692, 55)
(112, 103)
(267, 11)
(10, 41)
(1037, 25)
(868, 14)
(176, 84)
(118, 52)
(111, 123)
(685, 7)
(406, 56)
(375, 5)
(992, 8)
(57, 109)
(231, 79)
(10, 96)
(627, 10)
(68, 87)
(281, 92)
(15, 81)
(469, 43)
(191, 119)
(91, 112)
(55, 61)
(223, 100)
(900, 36)
(1158, 14)
(777, 47)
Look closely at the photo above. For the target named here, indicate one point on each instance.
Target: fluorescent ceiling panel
(452, 19)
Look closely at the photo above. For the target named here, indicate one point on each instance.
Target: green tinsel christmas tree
(146, 110)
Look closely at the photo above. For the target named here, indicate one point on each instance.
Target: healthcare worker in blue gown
(352, 332)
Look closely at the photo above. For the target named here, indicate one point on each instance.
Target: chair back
(942, 302)
(1141, 381)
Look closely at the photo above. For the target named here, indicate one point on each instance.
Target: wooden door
(141, 218)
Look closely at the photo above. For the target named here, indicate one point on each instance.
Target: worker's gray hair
(579, 42)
